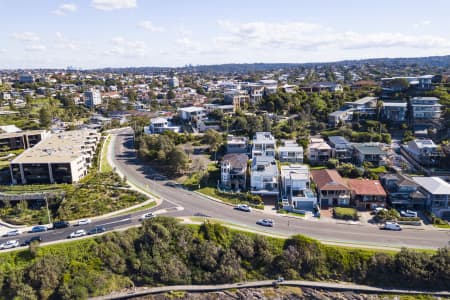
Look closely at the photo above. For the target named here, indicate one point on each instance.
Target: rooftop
(329, 180)
(369, 149)
(63, 147)
(366, 187)
(434, 185)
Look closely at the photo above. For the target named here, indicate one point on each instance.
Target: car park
(391, 226)
(146, 216)
(98, 229)
(78, 233)
(31, 240)
(13, 232)
(243, 207)
(84, 222)
(10, 244)
(39, 228)
(408, 213)
(265, 222)
(61, 224)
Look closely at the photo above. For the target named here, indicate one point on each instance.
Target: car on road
(98, 229)
(265, 222)
(391, 226)
(13, 232)
(32, 239)
(146, 216)
(243, 207)
(78, 233)
(39, 228)
(61, 224)
(10, 244)
(172, 183)
(84, 222)
(408, 213)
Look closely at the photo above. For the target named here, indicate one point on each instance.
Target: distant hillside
(431, 61)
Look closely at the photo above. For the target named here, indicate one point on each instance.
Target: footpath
(338, 286)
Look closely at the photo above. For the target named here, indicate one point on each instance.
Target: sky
(121, 33)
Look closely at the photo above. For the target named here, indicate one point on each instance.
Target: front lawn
(345, 213)
(236, 198)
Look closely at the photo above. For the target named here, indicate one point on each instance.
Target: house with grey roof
(369, 152)
(424, 151)
(342, 149)
(403, 192)
(437, 193)
(233, 171)
(290, 152)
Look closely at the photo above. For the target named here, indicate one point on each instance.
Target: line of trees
(165, 252)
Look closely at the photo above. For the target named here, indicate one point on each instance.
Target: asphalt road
(195, 205)
(125, 160)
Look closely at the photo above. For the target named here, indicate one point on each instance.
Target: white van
(392, 226)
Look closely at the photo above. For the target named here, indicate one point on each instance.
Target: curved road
(125, 161)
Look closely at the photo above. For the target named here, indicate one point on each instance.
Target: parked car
(392, 226)
(408, 213)
(78, 233)
(32, 239)
(84, 222)
(10, 244)
(265, 222)
(376, 210)
(146, 216)
(39, 228)
(98, 229)
(13, 232)
(61, 224)
(243, 207)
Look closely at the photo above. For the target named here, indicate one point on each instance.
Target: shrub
(345, 213)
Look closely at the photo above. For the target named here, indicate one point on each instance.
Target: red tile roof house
(332, 189)
(366, 194)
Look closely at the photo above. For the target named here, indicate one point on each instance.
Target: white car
(84, 222)
(146, 216)
(78, 233)
(10, 244)
(243, 207)
(392, 226)
(13, 232)
(265, 222)
(408, 213)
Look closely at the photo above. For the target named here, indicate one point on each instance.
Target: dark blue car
(39, 228)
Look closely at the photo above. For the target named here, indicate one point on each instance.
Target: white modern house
(437, 193)
(192, 112)
(159, 125)
(264, 176)
(424, 151)
(295, 188)
(290, 152)
(425, 108)
(263, 144)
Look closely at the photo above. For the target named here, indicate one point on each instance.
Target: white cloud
(62, 42)
(126, 48)
(25, 36)
(311, 37)
(113, 4)
(422, 23)
(65, 8)
(36, 48)
(149, 26)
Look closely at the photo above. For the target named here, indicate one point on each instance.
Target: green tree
(214, 139)
(45, 118)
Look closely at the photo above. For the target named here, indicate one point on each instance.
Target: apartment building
(60, 158)
(92, 98)
(22, 139)
(425, 108)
